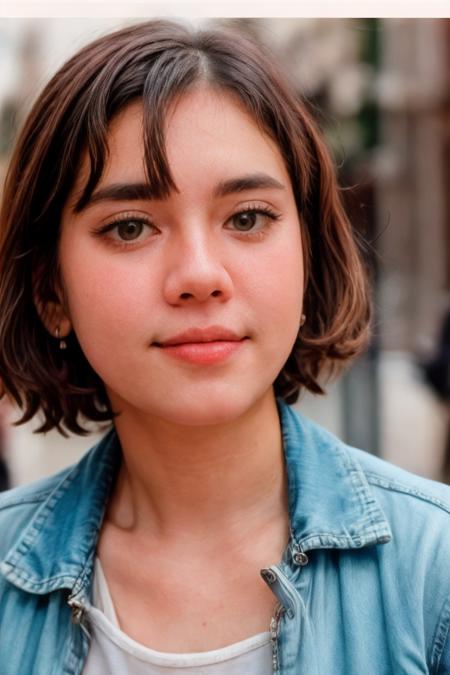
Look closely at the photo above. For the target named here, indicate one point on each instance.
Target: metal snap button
(300, 558)
(268, 576)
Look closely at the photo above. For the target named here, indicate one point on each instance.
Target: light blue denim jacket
(363, 587)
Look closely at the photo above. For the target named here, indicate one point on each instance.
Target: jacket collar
(57, 547)
(331, 505)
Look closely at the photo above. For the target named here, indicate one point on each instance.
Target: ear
(55, 319)
(50, 299)
(54, 315)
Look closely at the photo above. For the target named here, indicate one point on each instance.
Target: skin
(203, 464)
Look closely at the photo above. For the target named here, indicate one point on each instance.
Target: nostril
(213, 294)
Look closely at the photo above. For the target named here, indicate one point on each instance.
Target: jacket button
(300, 558)
(268, 576)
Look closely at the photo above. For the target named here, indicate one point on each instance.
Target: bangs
(155, 85)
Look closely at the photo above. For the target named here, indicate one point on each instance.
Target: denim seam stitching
(54, 583)
(440, 635)
(373, 521)
(35, 525)
(36, 498)
(404, 489)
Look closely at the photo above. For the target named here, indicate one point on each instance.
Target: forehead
(207, 134)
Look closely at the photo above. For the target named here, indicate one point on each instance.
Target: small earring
(302, 319)
(62, 342)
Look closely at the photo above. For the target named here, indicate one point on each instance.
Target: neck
(222, 478)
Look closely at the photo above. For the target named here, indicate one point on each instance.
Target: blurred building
(413, 181)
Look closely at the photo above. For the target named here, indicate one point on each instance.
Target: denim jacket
(363, 587)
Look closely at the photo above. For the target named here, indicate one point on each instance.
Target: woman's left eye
(252, 220)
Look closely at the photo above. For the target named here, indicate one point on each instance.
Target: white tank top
(112, 652)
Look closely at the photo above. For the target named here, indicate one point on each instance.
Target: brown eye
(129, 229)
(126, 231)
(245, 221)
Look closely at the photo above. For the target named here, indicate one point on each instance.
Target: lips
(202, 346)
(201, 335)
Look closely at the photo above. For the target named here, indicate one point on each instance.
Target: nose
(197, 272)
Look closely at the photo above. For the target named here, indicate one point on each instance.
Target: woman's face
(187, 307)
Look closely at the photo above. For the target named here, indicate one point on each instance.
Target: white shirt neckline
(103, 616)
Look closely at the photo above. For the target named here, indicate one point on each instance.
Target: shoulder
(386, 477)
(19, 505)
(416, 509)
(73, 498)
(414, 565)
(28, 497)
(28, 505)
(412, 568)
(387, 481)
(31, 493)
(418, 512)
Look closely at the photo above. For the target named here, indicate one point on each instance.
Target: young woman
(175, 259)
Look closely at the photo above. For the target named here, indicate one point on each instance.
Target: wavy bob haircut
(154, 62)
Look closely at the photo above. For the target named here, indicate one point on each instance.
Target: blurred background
(380, 89)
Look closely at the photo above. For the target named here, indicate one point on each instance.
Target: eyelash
(101, 232)
(266, 211)
(247, 234)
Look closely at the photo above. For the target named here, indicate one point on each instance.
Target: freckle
(204, 623)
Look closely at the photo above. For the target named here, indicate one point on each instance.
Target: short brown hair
(155, 61)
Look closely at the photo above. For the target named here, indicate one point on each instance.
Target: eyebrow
(143, 191)
(117, 192)
(252, 181)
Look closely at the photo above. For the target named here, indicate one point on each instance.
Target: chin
(210, 408)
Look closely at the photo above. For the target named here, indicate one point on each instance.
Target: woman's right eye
(129, 229)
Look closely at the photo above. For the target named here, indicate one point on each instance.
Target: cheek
(105, 300)
(289, 280)
(280, 278)
(274, 283)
